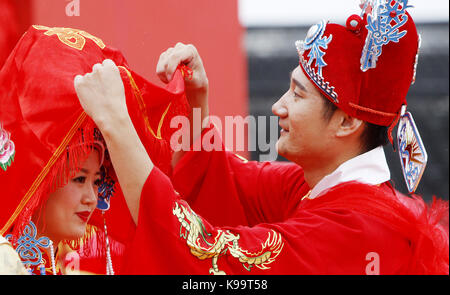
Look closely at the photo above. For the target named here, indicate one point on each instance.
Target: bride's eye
(79, 179)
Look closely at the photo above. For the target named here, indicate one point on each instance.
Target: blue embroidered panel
(383, 25)
(413, 156)
(28, 246)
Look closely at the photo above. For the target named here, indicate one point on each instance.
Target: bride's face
(69, 208)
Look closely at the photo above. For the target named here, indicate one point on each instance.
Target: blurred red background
(143, 29)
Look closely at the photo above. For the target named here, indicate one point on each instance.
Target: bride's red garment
(9, 33)
(41, 119)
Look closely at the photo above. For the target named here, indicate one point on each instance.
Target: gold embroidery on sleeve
(204, 245)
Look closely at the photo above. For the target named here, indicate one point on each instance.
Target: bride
(62, 208)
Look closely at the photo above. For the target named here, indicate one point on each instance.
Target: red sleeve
(172, 239)
(243, 192)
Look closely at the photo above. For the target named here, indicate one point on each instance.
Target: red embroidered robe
(238, 217)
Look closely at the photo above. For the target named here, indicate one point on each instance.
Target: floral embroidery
(7, 149)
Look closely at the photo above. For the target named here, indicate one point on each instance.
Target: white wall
(308, 12)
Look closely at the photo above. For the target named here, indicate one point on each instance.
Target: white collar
(370, 168)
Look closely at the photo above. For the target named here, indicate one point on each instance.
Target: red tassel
(186, 71)
(62, 170)
(391, 128)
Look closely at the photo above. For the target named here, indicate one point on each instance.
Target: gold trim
(306, 196)
(44, 172)
(241, 158)
(158, 132)
(141, 102)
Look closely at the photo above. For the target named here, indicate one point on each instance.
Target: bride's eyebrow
(84, 170)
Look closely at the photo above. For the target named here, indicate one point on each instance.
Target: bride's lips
(84, 215)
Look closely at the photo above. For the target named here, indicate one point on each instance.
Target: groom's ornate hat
(366, 68)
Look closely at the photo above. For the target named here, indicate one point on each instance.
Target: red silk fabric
(221, 214)
(41, 112)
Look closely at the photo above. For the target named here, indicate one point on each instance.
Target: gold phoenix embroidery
(204, 245)
(71, 37)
